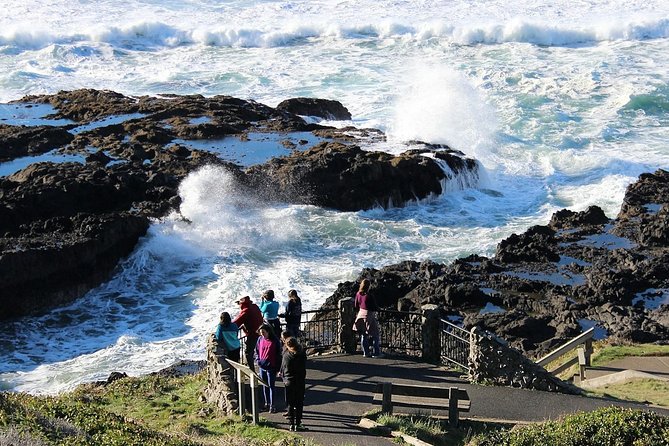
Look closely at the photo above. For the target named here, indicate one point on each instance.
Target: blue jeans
(364, 343)
(269, 377)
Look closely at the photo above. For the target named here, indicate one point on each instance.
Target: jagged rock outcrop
(545, 286)
(322, 108)
(347, 178)
(21, 141)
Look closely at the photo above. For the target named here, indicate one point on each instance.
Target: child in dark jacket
(294, 372)
(268, 358)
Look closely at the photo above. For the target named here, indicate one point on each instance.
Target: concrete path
(655, 365)
(339, 393)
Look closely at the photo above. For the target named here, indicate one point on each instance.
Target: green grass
(436, 431)
(150, 410)
(612, 426)
(642, 390)
(607, 353)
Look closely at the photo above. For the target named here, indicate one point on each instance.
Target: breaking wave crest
(158, 34)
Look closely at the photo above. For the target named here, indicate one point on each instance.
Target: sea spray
(441, 106)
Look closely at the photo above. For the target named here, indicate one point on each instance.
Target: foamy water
(563, 103)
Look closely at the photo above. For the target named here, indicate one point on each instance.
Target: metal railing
(455, 344)
(401, 332)
(318, 329)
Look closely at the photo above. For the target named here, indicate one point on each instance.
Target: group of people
(274, 357)
(285, 357)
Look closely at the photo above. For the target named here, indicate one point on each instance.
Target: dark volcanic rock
(537, 244)
(348, 178)
(322, 108)
(63, 259)
(549, 282)
(566, 219)
(22, 141)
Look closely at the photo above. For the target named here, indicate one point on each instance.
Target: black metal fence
(320, 328)
(454, 345)
(401, 332)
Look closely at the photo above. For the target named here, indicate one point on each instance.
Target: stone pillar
(220, 390)
(430, 333)
(348, 342)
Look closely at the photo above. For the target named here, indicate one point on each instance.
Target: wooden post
(254, 399)
(582, 363)
(387, 401)
(453, 418)
(240, 391)
(588, 352)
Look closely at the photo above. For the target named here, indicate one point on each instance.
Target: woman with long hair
(268, 358)
(366, 323)
(227, 337)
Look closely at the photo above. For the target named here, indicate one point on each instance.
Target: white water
(564, 103)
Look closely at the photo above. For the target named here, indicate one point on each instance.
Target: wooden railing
(582, 342)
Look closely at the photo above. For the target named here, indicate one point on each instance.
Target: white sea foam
(153, 33)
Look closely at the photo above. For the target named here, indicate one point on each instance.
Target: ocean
(564, 104)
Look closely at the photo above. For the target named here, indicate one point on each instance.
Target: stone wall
(220, 390)
(492, 362)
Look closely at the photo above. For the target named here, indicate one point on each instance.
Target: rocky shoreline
(545, 286)
(64, 226)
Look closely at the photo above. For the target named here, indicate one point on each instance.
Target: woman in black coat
(294, 372)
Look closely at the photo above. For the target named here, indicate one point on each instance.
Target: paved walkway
(339, 393)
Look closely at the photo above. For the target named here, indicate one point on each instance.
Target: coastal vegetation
(149, 410)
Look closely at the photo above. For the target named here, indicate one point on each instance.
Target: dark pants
(295, 401)
(293, 329)
(250, 347)
(276, 326)
(234, 354)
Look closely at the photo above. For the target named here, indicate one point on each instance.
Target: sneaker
(380, 355)
(301, 428)
(272, 410)
(292, 428)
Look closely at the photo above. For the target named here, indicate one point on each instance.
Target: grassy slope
(150, 410)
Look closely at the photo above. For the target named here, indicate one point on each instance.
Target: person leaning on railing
(226, 336)
(249, 320)
(293, 314)
(270, 310)
(366, 323)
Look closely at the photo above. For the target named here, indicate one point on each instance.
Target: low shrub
(612, 426)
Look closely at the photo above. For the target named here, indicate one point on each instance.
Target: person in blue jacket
(227, 337)
(270, 311)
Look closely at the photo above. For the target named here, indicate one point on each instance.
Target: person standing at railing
(227, 337)
(270, 310)
(366, 323)
(268, 356)
(249, 320)
(293, 314)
